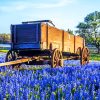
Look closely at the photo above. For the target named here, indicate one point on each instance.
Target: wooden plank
(47, 36)
(44, 36)
(23, 60)
(63, 41)
(78, 42)
(54, 37)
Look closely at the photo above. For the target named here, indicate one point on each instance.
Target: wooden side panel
(68, 42)
(54, 38)
(51, 37)
(79, 42)
(43, 36)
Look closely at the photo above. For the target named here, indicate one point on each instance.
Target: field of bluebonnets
(71, 82)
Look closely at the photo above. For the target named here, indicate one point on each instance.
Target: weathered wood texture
(52, 37)
(79, 42)
(23, 60)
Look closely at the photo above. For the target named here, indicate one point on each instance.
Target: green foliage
(4, 51)
(90, 29)
(70, 31)
(92, 16)
(73, 90)
(95, 56)
(5, 38)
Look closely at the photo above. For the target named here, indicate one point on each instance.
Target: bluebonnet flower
(52, 97)
(44, 84)
(42, 96)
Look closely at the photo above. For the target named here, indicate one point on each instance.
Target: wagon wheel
(78, 52)
(56, 58)
(84, 56)
(11, 56)
(88, 54)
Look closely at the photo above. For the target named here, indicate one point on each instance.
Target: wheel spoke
(85, 56)
(11, 56)
(56, 56)
(59, 55)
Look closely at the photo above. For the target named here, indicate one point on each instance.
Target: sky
(63, 13)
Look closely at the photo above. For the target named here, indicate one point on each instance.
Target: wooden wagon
(44, 43)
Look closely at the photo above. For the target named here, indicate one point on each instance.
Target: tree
(70, 31)
(90, 29)
(5, 38)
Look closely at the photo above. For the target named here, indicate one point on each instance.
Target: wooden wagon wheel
(84, 56)
(11, 56)
(88, 54)
(78, 51)
(56, 58)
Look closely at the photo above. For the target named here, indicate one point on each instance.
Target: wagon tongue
(23, 60)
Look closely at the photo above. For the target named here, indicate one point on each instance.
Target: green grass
(4, 51)
(95, 56)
